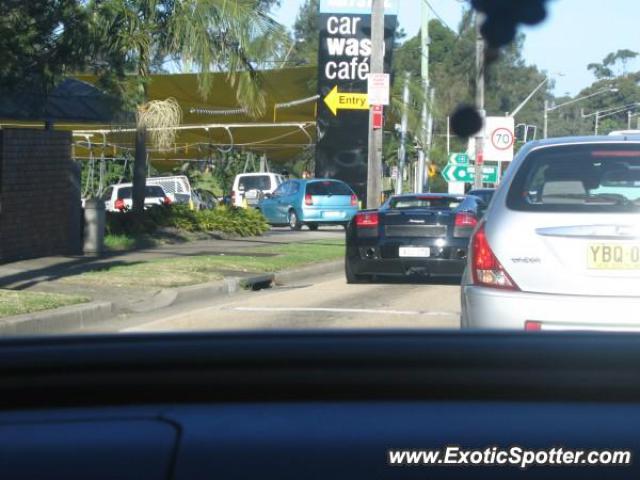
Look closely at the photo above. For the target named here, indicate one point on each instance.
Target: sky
(576, 33)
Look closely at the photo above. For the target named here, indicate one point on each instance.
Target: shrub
(228, 220)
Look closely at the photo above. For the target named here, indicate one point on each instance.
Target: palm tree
(231, 36)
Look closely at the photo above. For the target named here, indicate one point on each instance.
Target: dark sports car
(417, 234)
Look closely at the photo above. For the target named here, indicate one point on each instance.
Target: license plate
(415, 252)
(251, 194)
(333, 214)
(603, 256)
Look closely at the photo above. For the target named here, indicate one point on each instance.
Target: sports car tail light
(464, 224)
(530, 326)
(308, 200)
(367, 220)
(354, 201)
(487, 271)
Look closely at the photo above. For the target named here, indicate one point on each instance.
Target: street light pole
(479, 100)
(374, 173)
(545, 129)
(402, 153)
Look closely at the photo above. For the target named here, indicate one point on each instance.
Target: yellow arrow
(346, 101)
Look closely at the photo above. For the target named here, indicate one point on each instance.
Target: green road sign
(459, 158)
(465, 173)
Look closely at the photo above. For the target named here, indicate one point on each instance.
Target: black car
(485, 194)
(417, 234)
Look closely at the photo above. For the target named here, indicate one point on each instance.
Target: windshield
(262, 182)
(425, 202)
(272, 165)
(328, 188)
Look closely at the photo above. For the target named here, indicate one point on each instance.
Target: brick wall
(39, 194)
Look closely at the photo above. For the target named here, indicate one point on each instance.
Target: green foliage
(306, 34)
(207, 35)
(227, 220)
(40, 41)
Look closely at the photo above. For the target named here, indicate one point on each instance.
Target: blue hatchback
(310, 202)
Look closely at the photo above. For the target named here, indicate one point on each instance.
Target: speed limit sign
(500, 139)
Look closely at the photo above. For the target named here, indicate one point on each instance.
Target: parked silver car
(559, 247)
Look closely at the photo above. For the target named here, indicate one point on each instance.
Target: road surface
(316, 303)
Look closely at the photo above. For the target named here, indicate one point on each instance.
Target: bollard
(94, 224)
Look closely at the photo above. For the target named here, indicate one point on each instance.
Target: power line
(438, 16)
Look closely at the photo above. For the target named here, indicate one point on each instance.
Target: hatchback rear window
(150, 191)
(578, 178)
(260, 182)
(328, 188)
(425, 202)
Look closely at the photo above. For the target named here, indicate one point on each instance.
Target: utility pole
(432, 94)
(374, 175)
(546, 119)
(425, 44)
(479, 100)
(402, 153)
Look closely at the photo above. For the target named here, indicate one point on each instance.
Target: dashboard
(311, 405)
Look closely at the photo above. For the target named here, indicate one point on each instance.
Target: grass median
(191, 270)
(19, 302)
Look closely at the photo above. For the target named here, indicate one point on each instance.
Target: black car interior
(310, 405)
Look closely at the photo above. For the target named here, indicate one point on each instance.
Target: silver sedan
(559, 246)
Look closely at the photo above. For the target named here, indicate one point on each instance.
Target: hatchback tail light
(367, 220)
(233, 196)
(530, 326)
(119, 204)
(167, 201)
(486, 269)
(464, 224)
(308, 200)
(354, 201)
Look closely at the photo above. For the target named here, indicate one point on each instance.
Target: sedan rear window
(150, 191)
(425, 202)
(328, 188)
(578, 178)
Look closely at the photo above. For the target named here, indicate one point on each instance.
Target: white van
(251, 187)
(178, 187)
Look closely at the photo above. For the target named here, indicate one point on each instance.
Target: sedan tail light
(367, 220)
(530, 326)
(354, 201)
(464, 224)
(119, 204)
(487, 271)
(308, 200)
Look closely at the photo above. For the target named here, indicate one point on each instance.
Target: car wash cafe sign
(344, 63)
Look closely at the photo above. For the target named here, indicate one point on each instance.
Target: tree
(306, 35)
(40, 41)
(213, 35)
(613, 60)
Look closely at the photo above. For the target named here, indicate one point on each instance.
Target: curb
(288, 276)
(59, 320)
(230, 286)
(87, 315)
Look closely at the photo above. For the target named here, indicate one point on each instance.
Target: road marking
(366, 311)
